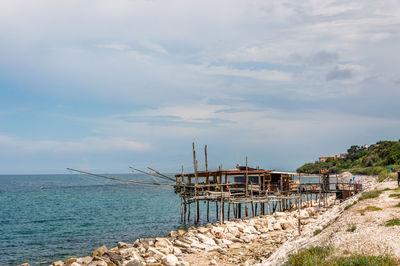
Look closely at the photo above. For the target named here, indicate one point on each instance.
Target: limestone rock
(170, 260)
(58, 263)
(97, 261)
(213, 263)
(84, 260)
(184, 263)
(181, 244)
(124, 245)
(203, 230)
(133, 262)
(304, 214)
(75, 264)
(99, 252)
(24, 264)
(70, 260)
(206, 240)
(177, 251)
(277, 226)
(155, 253)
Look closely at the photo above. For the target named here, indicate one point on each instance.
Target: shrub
(370, 194)
(311, 256)
(320, 256)
(316, 232)
(393, 222)
(397, 205)
(370, 209)
(395, 196)
(352, 228)
(350, 205)
(363, 260)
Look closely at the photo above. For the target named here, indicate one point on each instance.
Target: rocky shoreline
(246, 241)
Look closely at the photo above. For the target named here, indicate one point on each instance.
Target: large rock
(170, 260)
(114, 257)
(124, 245)
(70, 260)
(58, 263)
(84, 261)
(97, 261)
(181, 244)
(203, 230)
(304, 214)
(164, 245)
(200, 246)
(277, 226)
(286, 224)
(133, 262)
(177, 251)
(206, 240)
(155, 253)
(24, 264)
(99, 252)
(75, 264)
(128, 252)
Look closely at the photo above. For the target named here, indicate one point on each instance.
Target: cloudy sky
(101, 85)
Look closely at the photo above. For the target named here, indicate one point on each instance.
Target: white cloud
(11, 145)
(114, 46)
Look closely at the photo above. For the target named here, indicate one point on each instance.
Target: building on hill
(325, 158)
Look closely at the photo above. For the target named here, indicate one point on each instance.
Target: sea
(44, 218)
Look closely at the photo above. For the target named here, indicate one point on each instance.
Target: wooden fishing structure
(243, 191)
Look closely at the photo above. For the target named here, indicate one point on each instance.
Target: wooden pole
(196, 182)
(208, 210)
(246, 180)
(229, 210)
(252, 205)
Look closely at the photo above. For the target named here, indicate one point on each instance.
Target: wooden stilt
(229, 211)
(208, 210)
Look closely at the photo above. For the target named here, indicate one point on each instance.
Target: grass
(364, 260)
(352, 228)
(316, 232)
(350, 205)
(370, 209)
(312, 256)
(370, 194)
(321, 256)
(393, 222)
(395, 195)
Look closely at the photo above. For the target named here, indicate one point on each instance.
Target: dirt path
(358, 230)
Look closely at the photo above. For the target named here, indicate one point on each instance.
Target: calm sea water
(75, 214)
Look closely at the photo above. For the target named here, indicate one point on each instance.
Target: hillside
(372, 160)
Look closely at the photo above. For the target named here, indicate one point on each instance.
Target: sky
(102, 85)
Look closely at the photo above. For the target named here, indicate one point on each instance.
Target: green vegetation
(395, 195)
(312, 256)
(352, 228)
(370, 194)
(393, 222)
(350, 205)
(316, 232)
(397, 205)
(373, 160)
(321, 256)
(370, 209)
